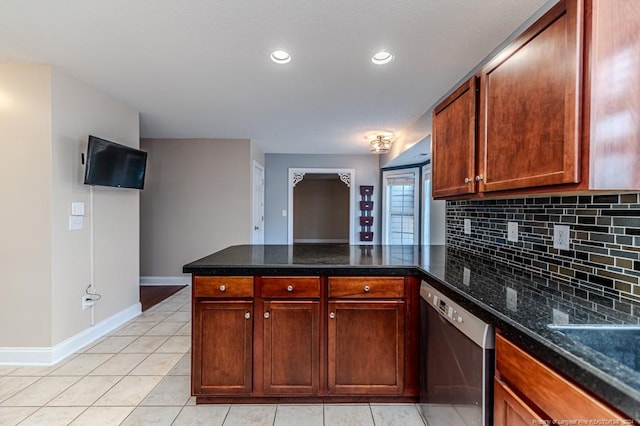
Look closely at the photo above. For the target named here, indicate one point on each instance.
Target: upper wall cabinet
(454, 135)
(557, 110)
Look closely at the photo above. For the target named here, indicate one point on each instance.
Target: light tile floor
(140, 375)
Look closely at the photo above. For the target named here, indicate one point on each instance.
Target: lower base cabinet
(318, 338)
(526, 392)
(225, 345)
(291, 347)
(366, 349)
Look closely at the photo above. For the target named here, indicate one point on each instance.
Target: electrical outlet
(466, 276)
(87, 302)
(561, 238)
(512, 231)
(560, 317)
(467, 226)
(512, 299)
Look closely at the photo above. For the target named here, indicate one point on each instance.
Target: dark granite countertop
(480, 286)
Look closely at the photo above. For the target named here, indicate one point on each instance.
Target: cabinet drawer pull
(467, 180)
(266, 315)
(479, 178)
(290, 288)
(332, 315)
(366, 288)
(247, 315)
(223, 288)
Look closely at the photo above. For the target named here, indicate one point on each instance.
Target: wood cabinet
(291, 335)
(366, 328)
(526, 391)
(222, 348)
(366, 347)
(305, 337)
(556, 109)
(222, 335)
(454, 142)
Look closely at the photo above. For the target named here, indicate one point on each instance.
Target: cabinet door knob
(223, 287)
(266, 315)
(479, 178)
(247, 315)
(467, 180)
(366, 288)
(290, 288)
(332, 315)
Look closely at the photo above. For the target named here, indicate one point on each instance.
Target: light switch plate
(512, 231)
(284, 213)
(467, 226)
(77, 209)
(75, 223)
(561, 237)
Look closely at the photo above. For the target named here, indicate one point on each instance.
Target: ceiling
(201, 68)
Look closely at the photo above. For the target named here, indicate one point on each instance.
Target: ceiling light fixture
(380, 145)
(382, 58)
(280, 57)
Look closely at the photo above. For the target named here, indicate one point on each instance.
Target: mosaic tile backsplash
(602, 264)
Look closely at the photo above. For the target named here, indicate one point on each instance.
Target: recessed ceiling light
(280, 57)
(382, 58)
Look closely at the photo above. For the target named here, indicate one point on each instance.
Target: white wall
(79, 110)
(25, 216)
(197, 200)
(45, 118)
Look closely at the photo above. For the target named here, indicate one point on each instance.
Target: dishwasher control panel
(474, 328)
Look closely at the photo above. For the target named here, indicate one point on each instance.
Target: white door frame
(347, 176)
(255, 221)
(416, 204)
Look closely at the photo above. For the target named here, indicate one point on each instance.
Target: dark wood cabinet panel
(510, 410)
(291, 347)
(366, 347)
(530, 102)
(615, 94)
(545, 390)
(366, 287)
(222, 348)
(454, 143)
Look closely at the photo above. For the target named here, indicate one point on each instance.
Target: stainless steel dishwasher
(456, 363)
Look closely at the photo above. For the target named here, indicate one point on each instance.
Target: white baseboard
(50, 356)
(181, 280)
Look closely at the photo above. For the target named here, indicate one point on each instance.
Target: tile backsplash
(603, 261)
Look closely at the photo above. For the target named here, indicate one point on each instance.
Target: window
(401, 206)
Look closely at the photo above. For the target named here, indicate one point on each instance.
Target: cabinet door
(291, 347)
(366, 347)
(454, 142)
(509, 410)
(222, 348)
(530, 102)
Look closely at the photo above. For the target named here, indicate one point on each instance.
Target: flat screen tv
(112, 164)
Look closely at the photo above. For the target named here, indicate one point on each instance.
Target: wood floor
(153, 294)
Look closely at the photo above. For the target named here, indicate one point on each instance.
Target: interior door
(258, 204)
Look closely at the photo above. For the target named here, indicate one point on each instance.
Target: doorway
(257, 216)
(321, 206)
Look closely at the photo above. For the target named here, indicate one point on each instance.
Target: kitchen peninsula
(340, 323)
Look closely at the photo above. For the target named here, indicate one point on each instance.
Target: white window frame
(387, 174)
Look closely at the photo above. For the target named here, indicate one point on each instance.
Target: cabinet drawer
(553, 394)
(294, 287)
(223, 287)
(366, 287)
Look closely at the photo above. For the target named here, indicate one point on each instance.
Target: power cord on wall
(94, 297)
